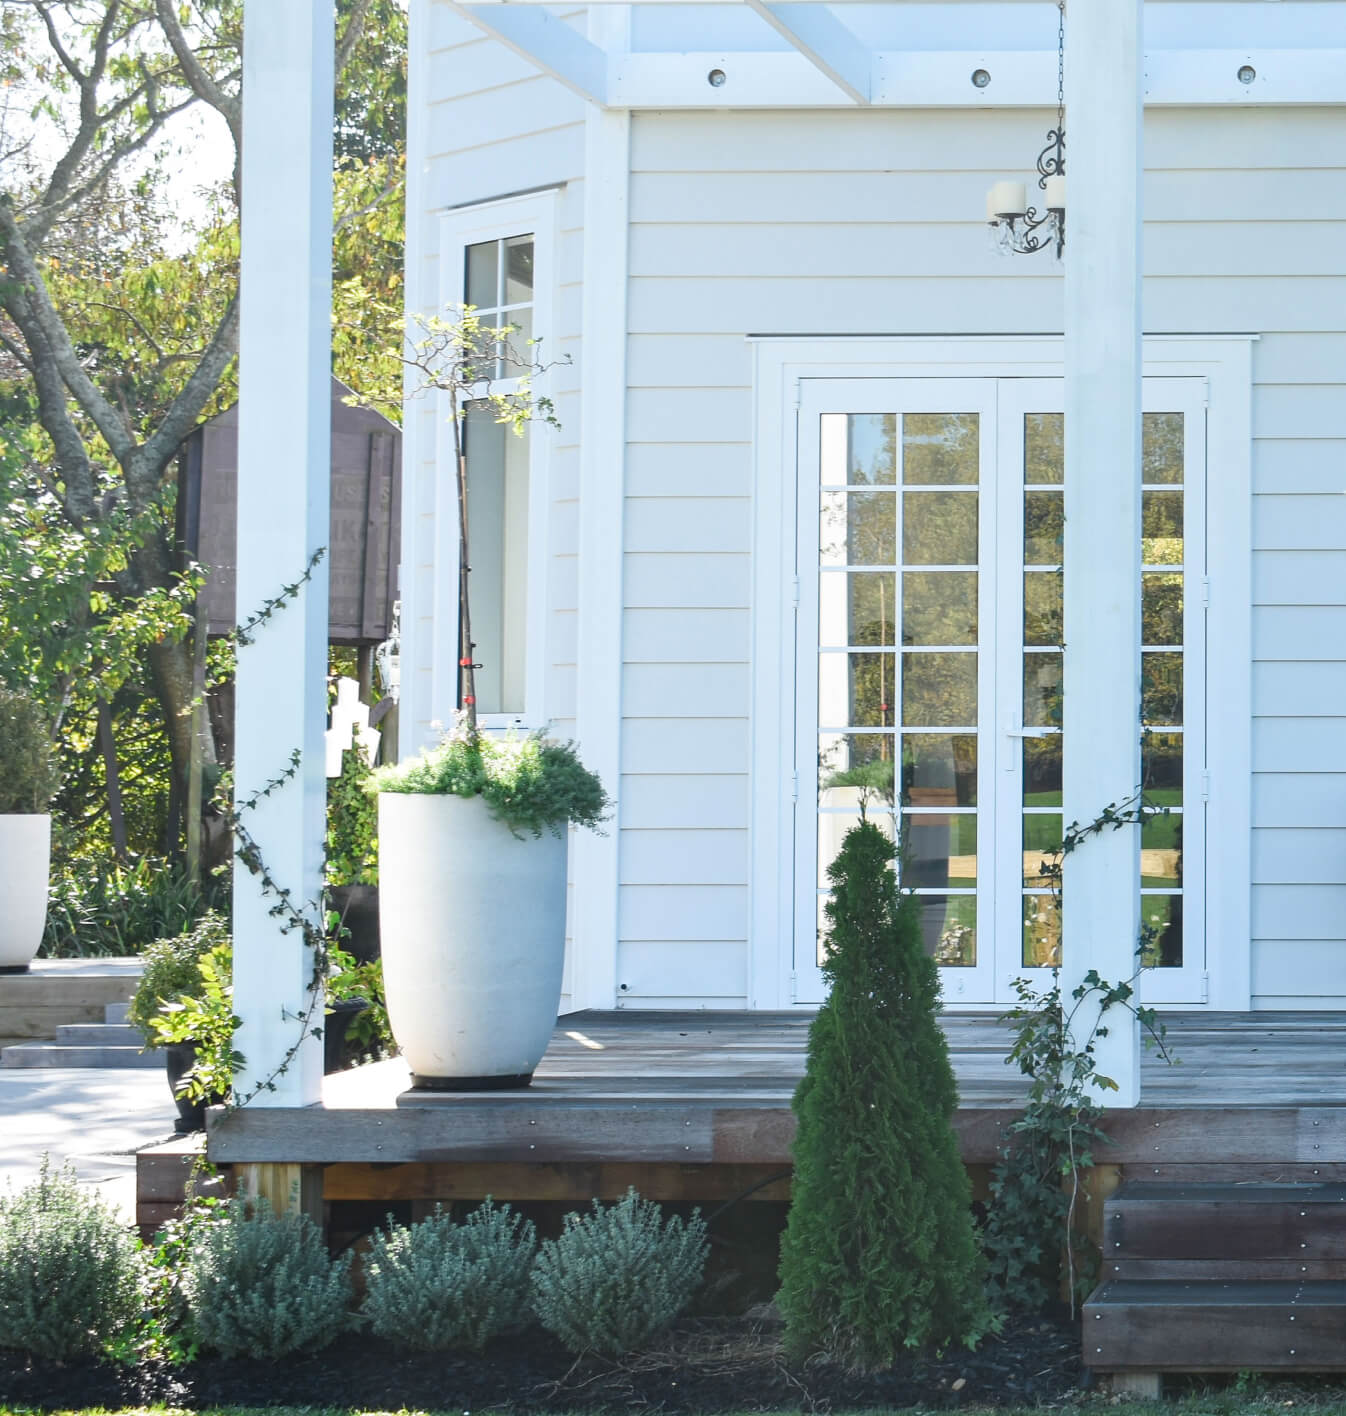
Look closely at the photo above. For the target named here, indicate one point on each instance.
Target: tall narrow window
(498, 281)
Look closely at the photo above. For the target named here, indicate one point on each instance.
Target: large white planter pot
(473, 925)
(25, 866)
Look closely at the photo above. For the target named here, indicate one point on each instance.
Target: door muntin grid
(899, 662)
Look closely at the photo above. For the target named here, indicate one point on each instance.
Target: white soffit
(913, 53)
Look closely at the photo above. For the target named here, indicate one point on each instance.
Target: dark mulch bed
(704, 1365)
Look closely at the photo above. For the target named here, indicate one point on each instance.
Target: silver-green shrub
(262, 1285)
(440, 1285)
(68, 1269)
(616, 1277)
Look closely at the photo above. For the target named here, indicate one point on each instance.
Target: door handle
(1014, 730)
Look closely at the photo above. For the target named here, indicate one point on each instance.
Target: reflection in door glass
(899, 567)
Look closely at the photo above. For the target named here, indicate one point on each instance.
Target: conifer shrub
(440, 1285)
(879, 1253)
(262, 1285)
(618, 1276)
(69, 1278)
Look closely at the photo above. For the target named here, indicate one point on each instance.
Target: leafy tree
(879, 1253)
(118, 331)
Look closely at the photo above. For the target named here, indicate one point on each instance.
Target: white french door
(928, 667)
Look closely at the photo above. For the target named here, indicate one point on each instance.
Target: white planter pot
(473, 926)
(25, 866)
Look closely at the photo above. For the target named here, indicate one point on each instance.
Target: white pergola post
(283, 519)
(1104, 96)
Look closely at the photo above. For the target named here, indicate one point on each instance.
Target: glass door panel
(896, 607)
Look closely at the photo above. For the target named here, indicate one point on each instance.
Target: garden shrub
(879, 1253)
(441, 1285)
(27, 764)
(616, 1277)
(68, 1269)
(98, 908)
(262, 1285)
(352, 850)
(172, 967)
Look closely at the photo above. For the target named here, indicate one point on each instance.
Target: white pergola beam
(538, 37)
(284, 513)
(1101, 718)
(825, 42)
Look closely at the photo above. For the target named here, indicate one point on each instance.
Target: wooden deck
(705, 1088)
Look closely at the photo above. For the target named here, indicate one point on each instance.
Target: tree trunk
(107, 745)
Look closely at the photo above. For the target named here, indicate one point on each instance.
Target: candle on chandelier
(1056, 193)
(1006, 199)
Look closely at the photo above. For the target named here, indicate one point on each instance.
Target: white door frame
(1224, 361)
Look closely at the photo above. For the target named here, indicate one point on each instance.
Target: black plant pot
(337, 1053)
(179, 1059)
(358, 906)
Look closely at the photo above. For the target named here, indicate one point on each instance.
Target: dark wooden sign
(364, 548)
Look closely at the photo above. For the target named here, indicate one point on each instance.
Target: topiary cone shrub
(879, 1253)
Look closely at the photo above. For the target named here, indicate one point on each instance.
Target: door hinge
(1205, 786)
(794, 987)
(1205, 592)
(1205, 988)
(1205, 393)
(794, 786)
(795, 394)
(794, 592)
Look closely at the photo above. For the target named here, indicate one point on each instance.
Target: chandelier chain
(1061, 64)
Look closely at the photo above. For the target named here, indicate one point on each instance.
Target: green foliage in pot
(352, 823)
(204, 1017)
(27, 764)
(879, 1253)
(172, 967)
(369, 1031)
(530, 783)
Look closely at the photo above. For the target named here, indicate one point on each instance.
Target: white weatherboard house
(823, 451)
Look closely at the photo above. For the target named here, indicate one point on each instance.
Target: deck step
(98, 1035)
(56, 991)
(1225, 1224)
(1209, 1326)
(51, 1054)
(116, 1012)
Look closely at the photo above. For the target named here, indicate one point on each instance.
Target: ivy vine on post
(1033, 1221)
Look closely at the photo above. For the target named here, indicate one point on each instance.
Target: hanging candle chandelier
(1015, 225)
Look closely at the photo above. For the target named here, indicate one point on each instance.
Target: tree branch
(350, 36)
(202, 84)
(44, 320)
(186, 408)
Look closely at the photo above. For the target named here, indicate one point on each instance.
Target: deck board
(702, 1087)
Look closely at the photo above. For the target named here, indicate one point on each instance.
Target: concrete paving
(95, 1118)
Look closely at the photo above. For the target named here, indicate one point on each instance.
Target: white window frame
(1225, 363)
(535, 215)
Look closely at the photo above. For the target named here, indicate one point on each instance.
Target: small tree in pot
(27, 783)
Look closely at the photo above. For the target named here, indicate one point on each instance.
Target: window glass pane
(1161, 852)
(483, 275)
(1042, 932)
(939, 769)
(855, 769)
(939, 528)
(1044, 448)
(497, 509)
(1161, 528)
(940, 851)
(1042, 771)
(832, 829)
(857, 609)
(1161, 931)
(1161, 768)
(939, 690)
(869, 448)
(1161, 607)
(949, 928)
(939, 449)
(1042, 848)
(1042, 690)
(1161, 689)
(858, 528)
(1043, 608)
(518, 354)
(1161, 447)
(1044, 526)
(518, 270)
(856, 690)
(939, 607)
